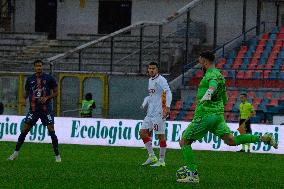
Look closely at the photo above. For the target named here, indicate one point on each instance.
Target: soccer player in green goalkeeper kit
(209, 116)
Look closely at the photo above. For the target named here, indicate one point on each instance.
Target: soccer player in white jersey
(158, 102)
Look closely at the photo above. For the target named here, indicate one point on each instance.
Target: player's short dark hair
(244, 94)
(154, 64)
(88, 96)
(207, 55)
(38, 61)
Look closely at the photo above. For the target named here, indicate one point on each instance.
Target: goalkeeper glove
(207, 95)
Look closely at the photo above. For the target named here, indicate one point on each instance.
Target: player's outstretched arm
(212, 87)
(166, 89)
(145, 102)
(208, 94)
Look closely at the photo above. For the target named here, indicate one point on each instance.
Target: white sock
(163, 153)
(149, 148)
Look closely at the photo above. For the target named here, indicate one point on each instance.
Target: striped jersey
(37, 87)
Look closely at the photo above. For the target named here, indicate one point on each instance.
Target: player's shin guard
(246, 138)
(21, 140)
(163, 147)
(148, 144)
(54, 142)
(189, 157)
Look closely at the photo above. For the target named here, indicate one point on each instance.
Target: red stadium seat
(240, 74)
(278, 43)
(224, 73)
(266, 74)
(252, 94)
(271, 60)
(248, 74)
(199, 74)
(259, 49)
(254, 61)
(281, 36)
(273, 102)
(252, 66)
(282, 97)
(268, 95)
(243, 49)
(229, 106)
(265, 37)
(262, 43)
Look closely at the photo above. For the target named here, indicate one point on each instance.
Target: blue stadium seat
(231, 73)
(252, 41)
(256, 75)
(262, 61)
(269, 43)
(281, 75)
(233, 54)
(275, 30)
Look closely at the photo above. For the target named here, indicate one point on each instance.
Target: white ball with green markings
(182, 172)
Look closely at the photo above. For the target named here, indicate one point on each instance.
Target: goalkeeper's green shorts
(199, 127)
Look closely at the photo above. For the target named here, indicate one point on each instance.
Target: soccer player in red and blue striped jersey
(40, 88)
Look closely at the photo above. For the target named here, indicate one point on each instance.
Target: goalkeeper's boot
(13, 156)
(269, 139)
(151, 159)
(160, 163)
(191, 178)
(58, 159)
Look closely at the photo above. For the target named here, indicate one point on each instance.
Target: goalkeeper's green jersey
(212, 78)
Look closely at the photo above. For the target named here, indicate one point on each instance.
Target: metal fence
(131, 48)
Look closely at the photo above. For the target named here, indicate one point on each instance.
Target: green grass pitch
(119, 167)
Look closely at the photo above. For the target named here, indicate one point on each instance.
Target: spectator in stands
(246, 112)
(88, 105)
(1, 108)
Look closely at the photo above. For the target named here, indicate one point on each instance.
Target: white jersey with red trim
(156, 87)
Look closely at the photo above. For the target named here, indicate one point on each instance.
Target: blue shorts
(47, 118)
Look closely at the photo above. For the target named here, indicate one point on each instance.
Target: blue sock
(21, 140)
(54, 142)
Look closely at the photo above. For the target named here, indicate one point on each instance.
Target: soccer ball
(182, 172)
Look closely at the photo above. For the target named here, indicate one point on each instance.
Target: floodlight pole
(111, 53)
(160, 44)
(80, 60)
(141, 48)
(215, 24)
(258, 15)
(244, 18)
(277, 4)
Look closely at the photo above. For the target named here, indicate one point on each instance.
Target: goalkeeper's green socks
(189, 157)
(246, 138)
(244, 146)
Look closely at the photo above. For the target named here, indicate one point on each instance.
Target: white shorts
(154, 123)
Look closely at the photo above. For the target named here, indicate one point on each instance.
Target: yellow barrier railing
(19, 89)
(82, 77)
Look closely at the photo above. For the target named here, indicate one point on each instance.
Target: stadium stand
(29, 46)
(257, 68)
